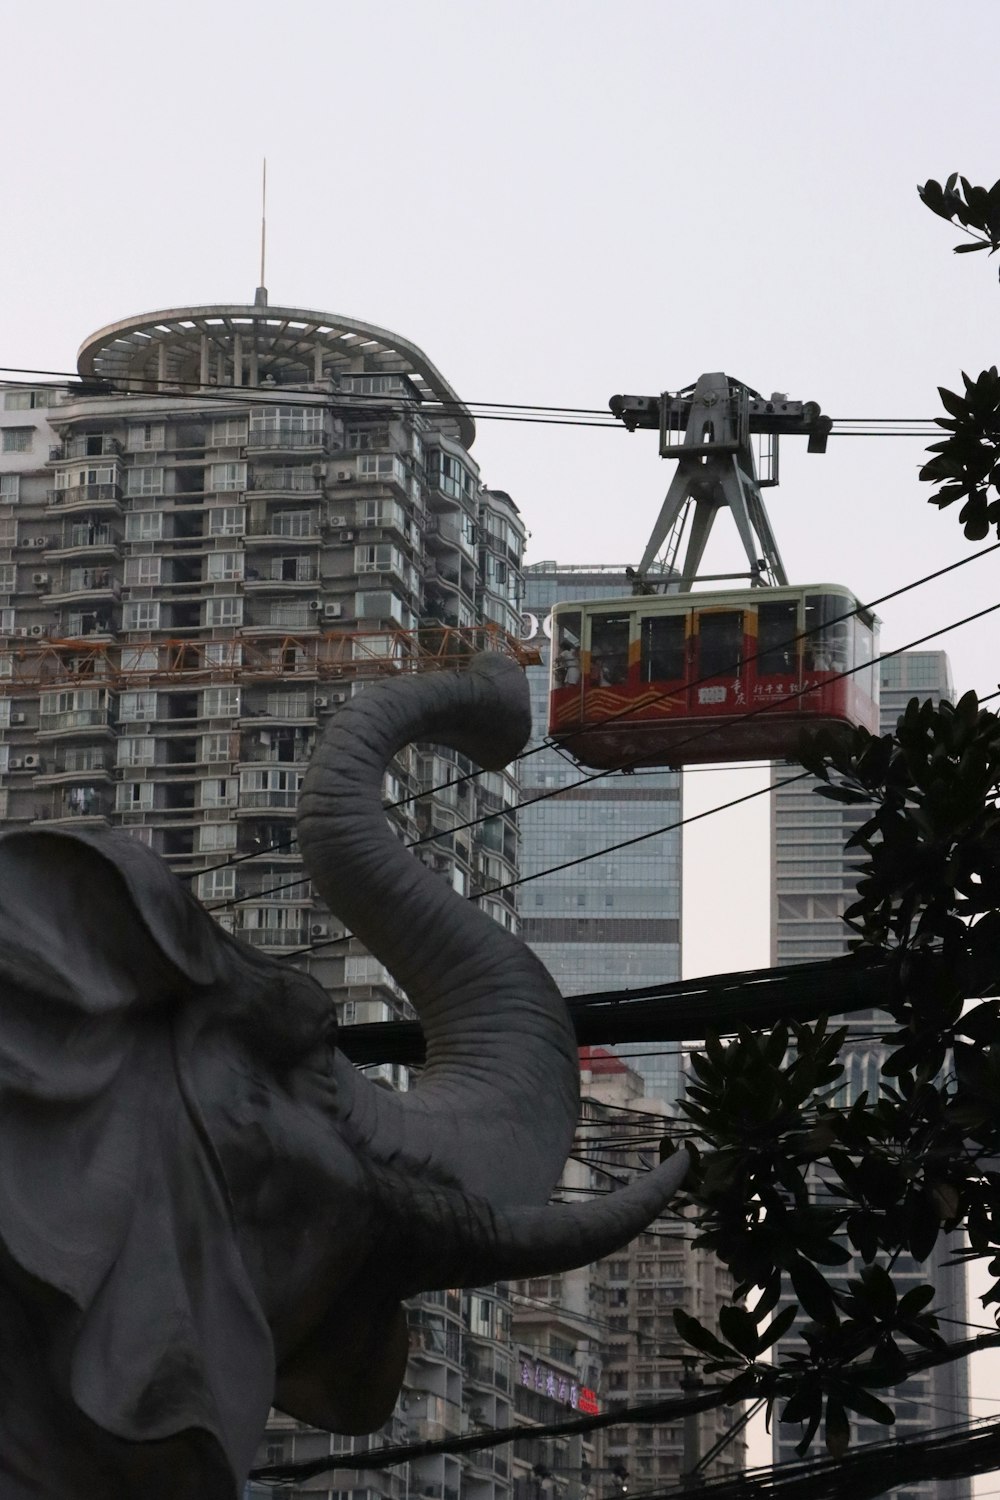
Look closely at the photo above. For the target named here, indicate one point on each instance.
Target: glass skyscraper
(613, 922)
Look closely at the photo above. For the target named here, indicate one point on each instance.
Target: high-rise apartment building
(812, 881)
(613, 922)
(235, 518)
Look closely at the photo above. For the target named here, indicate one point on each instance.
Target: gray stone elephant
(204, 1208)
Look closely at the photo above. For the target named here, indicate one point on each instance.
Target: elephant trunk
(496, 1105)
(434, 1240)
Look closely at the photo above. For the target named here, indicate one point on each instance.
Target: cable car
(676, 679)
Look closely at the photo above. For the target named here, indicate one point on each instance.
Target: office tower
(812, 881)
(612, 922)
(235, 518)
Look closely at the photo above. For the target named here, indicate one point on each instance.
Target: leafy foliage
(965, 464)
(798, 1183)
(796, 1177)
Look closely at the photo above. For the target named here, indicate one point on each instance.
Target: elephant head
(204, 1208)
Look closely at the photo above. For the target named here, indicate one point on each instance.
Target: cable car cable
(598, 775)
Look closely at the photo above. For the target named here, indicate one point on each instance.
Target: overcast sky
(556, 201)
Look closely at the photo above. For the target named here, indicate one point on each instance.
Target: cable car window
(662, 638)
(830, 638)
(777, 627)
(609, 648)
(566, 665)
(863, 658)
(720, 634)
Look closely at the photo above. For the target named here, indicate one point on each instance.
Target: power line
(547, 743)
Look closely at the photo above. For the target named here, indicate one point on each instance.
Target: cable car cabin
(673, 679)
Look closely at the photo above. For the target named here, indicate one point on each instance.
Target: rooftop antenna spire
(260, 296)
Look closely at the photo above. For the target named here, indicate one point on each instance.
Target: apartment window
(217, 885)
(6, 626)
(17, 439)
(216, 747)
(222, 702)
(297, 569)
(227, 476)
(226, 520)
(134, 796)
(294, 523)
(221, 791)
(143, 614)
(10, 487)
(379, 606)
(136, 750)
(225, 565)
(144, 526)
(137, 705)
(143, 570)
(223, 654)
(229, 432)
(379, 466)
(227, 611)
(8, 578)
(25, 400)
(378, 559)
(145, 479)
(216, 838)
(367, 439)
(274, 425)
(145, 437)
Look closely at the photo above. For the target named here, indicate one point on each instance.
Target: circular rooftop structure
(260, 347)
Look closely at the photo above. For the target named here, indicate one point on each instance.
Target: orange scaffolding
(259, 656)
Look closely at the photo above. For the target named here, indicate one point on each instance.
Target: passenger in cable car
(609, 650)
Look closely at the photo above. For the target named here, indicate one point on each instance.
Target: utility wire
(585, 780)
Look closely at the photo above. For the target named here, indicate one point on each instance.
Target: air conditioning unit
(15, 763)
(40, 580)
(317, 471)
(347, 536)
(18, 718)
(336, 521)
(319, 929)
(32, 762)
(321, 702)
(45, 541)
(20, 630)
(344, 476)
(332, 611)
(315, 605)
(32, 541)
(37, 630)
(335, 698)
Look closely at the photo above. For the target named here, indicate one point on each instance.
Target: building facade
(812, 881)
(613, 922)
(237, 517)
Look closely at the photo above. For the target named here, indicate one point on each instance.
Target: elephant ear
(105, 916)
(346, 1376)
(111, 1195)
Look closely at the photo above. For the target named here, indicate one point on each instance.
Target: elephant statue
(204, 1208)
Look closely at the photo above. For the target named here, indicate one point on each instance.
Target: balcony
(293, 619)
(91, 541)
(275, 937)
(305, 575)
(76, 720)
(96, 445)
(284, 529)
(95, 497)
(282, 438)
(87, 805)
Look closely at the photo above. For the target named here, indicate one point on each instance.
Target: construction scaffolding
(35, 665)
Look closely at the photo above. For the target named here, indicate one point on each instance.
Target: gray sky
(557, 201)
